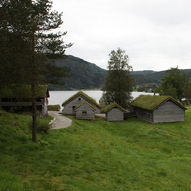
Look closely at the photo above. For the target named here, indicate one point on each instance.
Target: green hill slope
(96, 155)
(86, 75)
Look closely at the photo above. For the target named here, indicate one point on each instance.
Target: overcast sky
(156, 34)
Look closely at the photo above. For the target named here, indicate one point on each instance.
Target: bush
(54, 107)
(42, 126)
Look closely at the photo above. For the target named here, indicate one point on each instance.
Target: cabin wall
(85, 112)
(169, 112)
(70, 106)
(144, 114)
(115, 114)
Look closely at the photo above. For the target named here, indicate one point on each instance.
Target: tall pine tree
(28, 41)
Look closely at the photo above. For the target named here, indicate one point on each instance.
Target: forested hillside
(83, 74)
(86, 75)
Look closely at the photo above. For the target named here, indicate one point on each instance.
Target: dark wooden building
(18, 98)
(157, 109)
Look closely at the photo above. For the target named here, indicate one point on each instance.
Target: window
(84, 112)
(79, 98)
(73, 108)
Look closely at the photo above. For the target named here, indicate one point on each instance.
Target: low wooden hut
(156, 109)
(71, 103)
(85, 111)
(114, 112)
(18, 98)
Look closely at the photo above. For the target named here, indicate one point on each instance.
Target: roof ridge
(85, 102)
(111, 106)
(83, 94)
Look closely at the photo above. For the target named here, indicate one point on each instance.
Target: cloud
(155, 34)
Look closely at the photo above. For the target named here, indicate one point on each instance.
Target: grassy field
(96, 156)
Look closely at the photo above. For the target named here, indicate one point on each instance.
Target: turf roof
(85, 102)
(83, 95)
(22, 91)
(111, 106)
(150, 102)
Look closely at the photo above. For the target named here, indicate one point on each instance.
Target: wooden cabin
(85, 111)
(114, 112)
(18, 98)
(157, 109)
(71, 103)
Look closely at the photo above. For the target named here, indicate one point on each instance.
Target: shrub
(54, 107)
(42, 126)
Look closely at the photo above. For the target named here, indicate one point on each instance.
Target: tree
(187, 90)
(118, 82)
(173, 83)
(27, 44)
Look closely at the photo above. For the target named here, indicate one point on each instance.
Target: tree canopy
(173, 83)
(118, 81)
(27, 40)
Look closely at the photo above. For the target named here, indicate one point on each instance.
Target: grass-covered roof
(85, 102)
(111, 106)
(150, 102)
(81, 93)
(22, 91)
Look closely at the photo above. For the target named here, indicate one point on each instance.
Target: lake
(58, 97)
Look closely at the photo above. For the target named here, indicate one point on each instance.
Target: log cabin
(157, 109)
(114, 112)
(71, 103)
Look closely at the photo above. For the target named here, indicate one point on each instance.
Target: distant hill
(142, 77)
(86, 75)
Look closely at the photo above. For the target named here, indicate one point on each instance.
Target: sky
(156, 34)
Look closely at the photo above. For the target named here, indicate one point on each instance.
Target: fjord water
(58, 97)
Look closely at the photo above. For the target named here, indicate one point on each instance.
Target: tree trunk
(33, 92)
(34, 115)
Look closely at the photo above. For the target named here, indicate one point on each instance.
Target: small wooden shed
(71, 103)
(157, 109)
(85, 111)
(114, 112)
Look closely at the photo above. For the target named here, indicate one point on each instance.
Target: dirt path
(59, 121)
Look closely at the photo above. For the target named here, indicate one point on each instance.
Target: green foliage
(29, 29)
(54, 107)
(187, 90)
(173, 83)
(118, 82)
(90, 156)
(22, 91)
(42, 126)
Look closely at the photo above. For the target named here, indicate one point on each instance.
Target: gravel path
(59, 121)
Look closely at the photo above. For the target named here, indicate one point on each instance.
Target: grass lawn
(96, 156)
